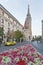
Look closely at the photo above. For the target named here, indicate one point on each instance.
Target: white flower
(21, 52)
(41, 61)
(29, 53)
(22, 47)
(6, 59)
(15, 49)
(37, 60)
(16, 59)
(35, 54)
(24, 58)
(30, 63)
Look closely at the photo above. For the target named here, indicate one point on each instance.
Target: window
(5, 15)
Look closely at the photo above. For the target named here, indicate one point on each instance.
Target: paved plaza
(38, 46)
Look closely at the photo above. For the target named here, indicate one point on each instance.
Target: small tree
(36, 38)
(33, 38)
(1, 34)
(9, 36)
(18, 35)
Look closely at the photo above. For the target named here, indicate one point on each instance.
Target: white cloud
(1, 1)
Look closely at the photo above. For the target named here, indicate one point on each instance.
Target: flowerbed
(24, 55)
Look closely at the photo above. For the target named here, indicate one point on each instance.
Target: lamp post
(0, 39)
(20, 40)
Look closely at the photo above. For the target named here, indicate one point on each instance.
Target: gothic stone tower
(27, 25)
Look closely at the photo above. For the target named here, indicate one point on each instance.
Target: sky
(18, 8)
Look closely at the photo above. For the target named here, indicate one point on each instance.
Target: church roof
(28, 18)
(7, 12)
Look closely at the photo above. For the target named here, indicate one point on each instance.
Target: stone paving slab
(38, 46)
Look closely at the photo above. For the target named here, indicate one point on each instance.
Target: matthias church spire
(28, 12)
(27, 24)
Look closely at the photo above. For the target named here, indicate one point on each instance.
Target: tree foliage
(1, 32)
(36, 38)
(18, 35)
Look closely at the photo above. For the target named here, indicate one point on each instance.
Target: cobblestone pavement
(38, 46)
(4, 48)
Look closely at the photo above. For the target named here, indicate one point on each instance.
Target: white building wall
(5, 26)
(8, 22)
(12, 25)
(1, 11)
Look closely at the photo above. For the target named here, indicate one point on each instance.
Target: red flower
(13, 53)
(5, 54)
(0, 59)
(41, 57)
(32, 50)
(21, 62)
(1, 54)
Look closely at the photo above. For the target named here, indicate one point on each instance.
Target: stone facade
(27, 26)
(10, 24)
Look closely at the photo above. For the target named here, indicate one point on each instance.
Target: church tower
(27, 25)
